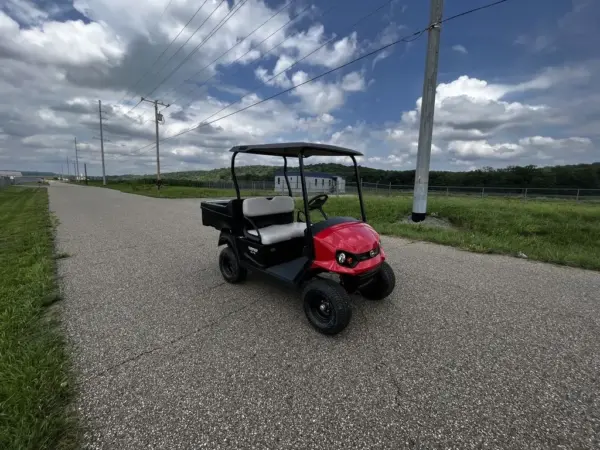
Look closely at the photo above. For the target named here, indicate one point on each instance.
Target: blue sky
(516, 85)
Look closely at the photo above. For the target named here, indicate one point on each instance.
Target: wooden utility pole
(157, 118)
(101, 143)
(76, 162)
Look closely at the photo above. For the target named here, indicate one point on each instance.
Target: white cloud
(333, 54)
(353, 82)
(320, 97)
(53, 72)
(72, 43)
(460, 49)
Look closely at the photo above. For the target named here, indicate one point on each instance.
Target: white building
(316, 182)
(10, 174)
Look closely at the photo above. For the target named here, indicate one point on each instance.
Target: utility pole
(76, 161)
(419, 210)
(101, 144)
(85, 171)
(157, 118)
(68, 168)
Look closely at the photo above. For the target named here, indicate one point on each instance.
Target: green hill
(583, 176)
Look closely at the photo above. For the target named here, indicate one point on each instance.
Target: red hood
(353, 237)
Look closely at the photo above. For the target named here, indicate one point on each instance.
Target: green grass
(150, 190)
(34, 384)
(557, 231)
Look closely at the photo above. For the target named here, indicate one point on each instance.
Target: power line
(163, 12)
(408, 38)
(190, 36)
(260, 43)
(365, 17)
(237, 43)
(136, 105)
(162, 53)
(211, 34)
(249, 50)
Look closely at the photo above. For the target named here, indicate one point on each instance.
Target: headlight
(346, 259)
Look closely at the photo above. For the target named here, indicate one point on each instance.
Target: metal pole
(419, 209)
(482, 191)
(76, 162)
(101, 144)
(85, 171)
(68, 168)
(390, 191)
(577, 199)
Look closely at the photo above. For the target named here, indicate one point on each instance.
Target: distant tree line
(582, 176)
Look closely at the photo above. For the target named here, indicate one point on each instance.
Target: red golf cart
(261, 235)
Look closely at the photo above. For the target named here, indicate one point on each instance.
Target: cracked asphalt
(470, 351)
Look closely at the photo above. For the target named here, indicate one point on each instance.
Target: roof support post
(287, 182)
(233, 177)
(305, 200)
(359, 188)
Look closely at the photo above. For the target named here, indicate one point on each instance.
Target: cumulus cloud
(53, 71)
(460, 49)
(475, 123)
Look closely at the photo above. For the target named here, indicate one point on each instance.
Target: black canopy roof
(293, 149)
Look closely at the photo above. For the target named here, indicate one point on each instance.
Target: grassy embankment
(34, 384)
(559, 231)
(149, 190)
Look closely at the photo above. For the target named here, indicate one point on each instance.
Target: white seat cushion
(279, 233)
(261, 206)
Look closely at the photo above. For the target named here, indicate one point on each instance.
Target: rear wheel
(327, 306)
(230, 266)
(382, 284)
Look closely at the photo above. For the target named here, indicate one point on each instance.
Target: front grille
(368, 255)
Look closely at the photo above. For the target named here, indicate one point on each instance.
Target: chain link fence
(5, 182)
(481, 191)
(387, 189)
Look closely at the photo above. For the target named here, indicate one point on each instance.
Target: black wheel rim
(321, 308)
(227, 266)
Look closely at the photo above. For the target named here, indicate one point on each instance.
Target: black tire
(327, 306)
(382, 284)
(230, 266)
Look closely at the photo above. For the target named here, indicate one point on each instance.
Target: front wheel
(327, 306)
(230, 266)
(382, 284)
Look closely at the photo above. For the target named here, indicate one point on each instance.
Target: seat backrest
(262, 206)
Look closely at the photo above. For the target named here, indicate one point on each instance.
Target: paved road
(472, 351)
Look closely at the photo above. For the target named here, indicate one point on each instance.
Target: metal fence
(385, 189)
(481, 191)
(4, 182)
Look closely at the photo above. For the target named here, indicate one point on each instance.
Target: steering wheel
(317, 202)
